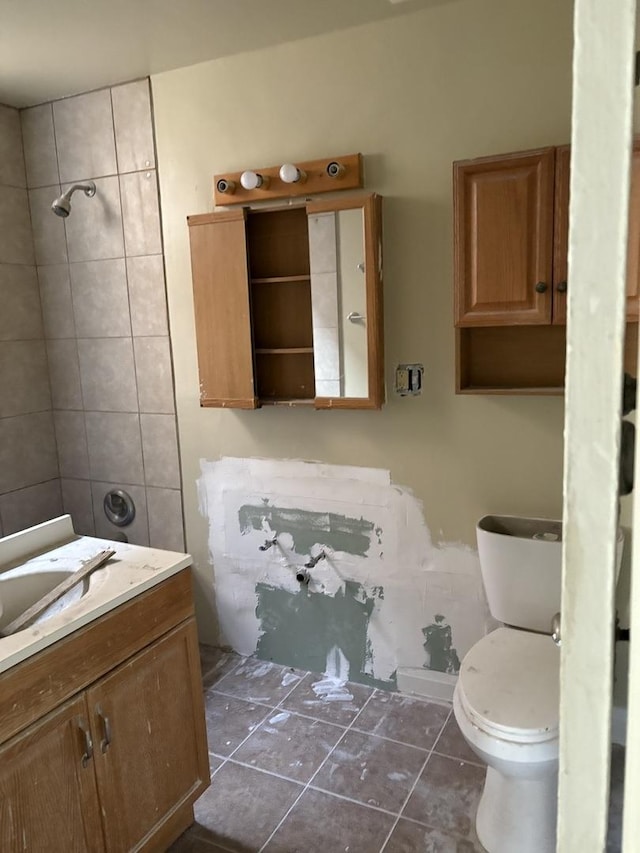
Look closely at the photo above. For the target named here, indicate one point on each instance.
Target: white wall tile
(12, 171)
(20, 315)
(94, 226)
(71, 440)
(77, 502)
(166, 529)
(160, 451)
(133, 126)
(24, 380)
(84, 135)
(27, 451)
(100, 299)
(147, 295)
(33, 505)
(64, 374)
(40, 156)
(16, 241)
(140, 213)
(115, 449)
(55, 295)
(107, 375)
(154, 376)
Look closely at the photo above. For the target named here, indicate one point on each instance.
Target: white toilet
(506, 701)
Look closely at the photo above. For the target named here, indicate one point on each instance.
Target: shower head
(62, 205)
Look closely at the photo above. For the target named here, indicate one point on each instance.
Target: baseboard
(619, 725)
(426, 683)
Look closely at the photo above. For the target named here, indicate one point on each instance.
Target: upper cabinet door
(633, 246)
(222, 309)
(345, 250)
(561, 235)
(503, 212)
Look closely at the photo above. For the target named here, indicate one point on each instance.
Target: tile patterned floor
(296, 773)
(293, 773)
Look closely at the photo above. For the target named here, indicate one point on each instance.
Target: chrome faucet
(313, 561)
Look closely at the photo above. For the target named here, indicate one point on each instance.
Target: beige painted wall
(412, 94)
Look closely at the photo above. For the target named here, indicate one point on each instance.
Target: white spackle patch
(332, 688)
(258, 672)
(289, 678)
(280, 718)
(396, 777)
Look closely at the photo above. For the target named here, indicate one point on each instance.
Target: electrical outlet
(409, 379)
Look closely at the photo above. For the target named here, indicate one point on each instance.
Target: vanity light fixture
(225, 186)
(290, 174)
(335, 169)
(253, 181)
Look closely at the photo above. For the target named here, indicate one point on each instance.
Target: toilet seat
(508, 686)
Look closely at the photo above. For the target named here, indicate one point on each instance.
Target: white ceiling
(53, 48)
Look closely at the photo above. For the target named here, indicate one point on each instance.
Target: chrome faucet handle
(556, 633)
(268, 543)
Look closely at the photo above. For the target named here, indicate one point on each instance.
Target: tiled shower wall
(29, 481)
(101, 276)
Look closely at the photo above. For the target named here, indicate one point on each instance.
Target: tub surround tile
(27, 451)
(78, 503)
(24, 384)
(319, 821)
(84, 135)
(154, 375)
(94, 228)
(133, 126)
(372, 770)
(71, 439)
(41, 159)
(100, 299)
(166, 528)
(244, 806)
(259, 681)
(16, 239)
(160, 451)
(446, 796)
(411, 721)
(20, 317)
(289, 745)
(137, 532)
(230, 721)
(115, 449)
(107, 374)
(30, 506)
(12, 172)
(57, 307)
(304, 700)
(141, 213)
(147, 296)
(64, 374)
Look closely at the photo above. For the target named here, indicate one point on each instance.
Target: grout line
(319, 768)
(415, 784)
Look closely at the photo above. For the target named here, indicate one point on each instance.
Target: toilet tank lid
(509, 685)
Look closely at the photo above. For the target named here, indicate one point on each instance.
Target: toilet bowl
(506, 700)
(506, 706)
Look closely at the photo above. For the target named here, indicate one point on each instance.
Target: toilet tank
(521, 564)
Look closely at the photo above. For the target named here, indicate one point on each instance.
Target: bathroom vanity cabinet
(511, 223)
(288, 304)
(102, 735)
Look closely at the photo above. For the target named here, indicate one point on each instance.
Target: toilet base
(518, 814)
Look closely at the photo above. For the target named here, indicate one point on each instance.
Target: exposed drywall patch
(306, 529)
(248, 501)
(306, 629)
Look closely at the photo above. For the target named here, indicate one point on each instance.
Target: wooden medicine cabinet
(288, 305)
(511, 224)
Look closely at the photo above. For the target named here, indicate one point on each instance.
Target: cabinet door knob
(88, 743)
(541, 287)
(105, 743)
(561, 287)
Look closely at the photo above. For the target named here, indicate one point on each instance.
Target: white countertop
(54, 546)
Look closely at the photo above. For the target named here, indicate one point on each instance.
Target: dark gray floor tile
(402, 718)
(230, 721)
(616, 797)
(410, 837)
(320, 823)
(216, 663)
(371, 770)
(242, 807)
(191, 842)
(260, 681)
(289, 745)
(452, 743)
(215, 762)
(338, 705)
(446, 795)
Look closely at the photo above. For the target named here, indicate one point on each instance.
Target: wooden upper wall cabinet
(288, 305)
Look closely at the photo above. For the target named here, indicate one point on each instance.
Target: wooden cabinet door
(222, 309)
(503, 213)
(150, 740)
(633, 246)
(561, 235)
(48, 797)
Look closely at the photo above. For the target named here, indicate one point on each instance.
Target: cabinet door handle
(541, 287)
(88, 743)
(105, 743)
(561, 287)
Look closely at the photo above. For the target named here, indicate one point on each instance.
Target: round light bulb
(290, 174)
(251, 180)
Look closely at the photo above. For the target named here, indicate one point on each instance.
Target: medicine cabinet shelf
(281, 279)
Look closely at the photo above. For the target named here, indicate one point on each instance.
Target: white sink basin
(19, 590)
